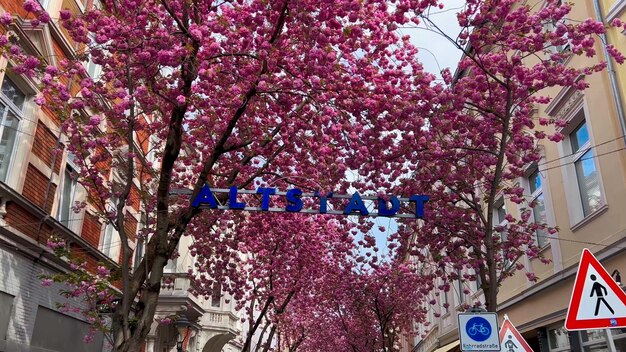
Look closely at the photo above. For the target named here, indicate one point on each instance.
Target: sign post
(478, 331)
(597, 301)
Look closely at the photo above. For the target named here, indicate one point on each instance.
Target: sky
(436, 53)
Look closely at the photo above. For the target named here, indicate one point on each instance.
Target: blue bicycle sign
(478, 329)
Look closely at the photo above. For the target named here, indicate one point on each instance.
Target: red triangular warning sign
(597, 301)
(511, 340)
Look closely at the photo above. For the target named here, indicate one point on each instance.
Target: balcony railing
(177, 287)
(223, 320)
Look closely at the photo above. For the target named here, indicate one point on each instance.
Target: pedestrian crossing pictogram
(597, 302)
(511, 340)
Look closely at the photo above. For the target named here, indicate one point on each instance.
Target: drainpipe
(619, 104)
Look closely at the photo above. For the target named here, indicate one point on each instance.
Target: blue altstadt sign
(293, 198)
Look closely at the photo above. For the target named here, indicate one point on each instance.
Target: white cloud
(436, 52)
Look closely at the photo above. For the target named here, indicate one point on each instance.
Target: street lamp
(182, 324)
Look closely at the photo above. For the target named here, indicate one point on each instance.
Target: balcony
(221, 320)
(177, 284)
(176, 291)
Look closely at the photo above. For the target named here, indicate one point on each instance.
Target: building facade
(580, 184)
(216, 326)
(38, 190)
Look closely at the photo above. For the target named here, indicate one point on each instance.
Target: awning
(447, 347)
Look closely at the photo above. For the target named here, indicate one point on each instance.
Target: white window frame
(172, 264)
(140, 250)
(595, 342)
(575, 118)
(478, 281)
(557, 48)
(19, 115)
(89, 64)
(559, 349)
(151, 155)
(500, 204)
(44, 4)
(577, 157)
(533, 195)
(107, 244)
(140, 243)
(216, 302)
(73, 194)
(459, 284)
(110, 239)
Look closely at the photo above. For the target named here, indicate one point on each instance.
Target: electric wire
(583, 159)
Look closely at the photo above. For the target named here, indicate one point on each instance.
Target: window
(11, 106)
(479, 281)
(216, 295)
(82, 4)
(172, 263)
(141, 240)
(109, 241)
(593, 340)
(538, 206)
(68, 194)
(139, 250)
(586, 172)
(59, 332)
(561, 45)
(6, 310)
(619, 338)
(444, 301)
(152, 145)
(499, 219)
(581, 173)
(500, 214)
(558, 339)
(92, 68)
(110, 238)
(460, 287)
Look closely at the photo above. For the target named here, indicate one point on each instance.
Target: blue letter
(324, 201)
(356, 204)
(294, 203)
(232, 199)
(204, 197)
(382, 206)
(419, 205)
(265, 198)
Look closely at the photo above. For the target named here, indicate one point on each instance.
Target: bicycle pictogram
(478, 329)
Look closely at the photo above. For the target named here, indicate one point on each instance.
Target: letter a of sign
(597, 301)
(511, 340)
(205, 197)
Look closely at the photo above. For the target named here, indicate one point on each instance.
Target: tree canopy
(325, 96)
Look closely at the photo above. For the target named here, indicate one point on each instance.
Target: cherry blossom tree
(228, 94)
(361, 309)
(303, 93)
(484, 134)
(268, 262)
